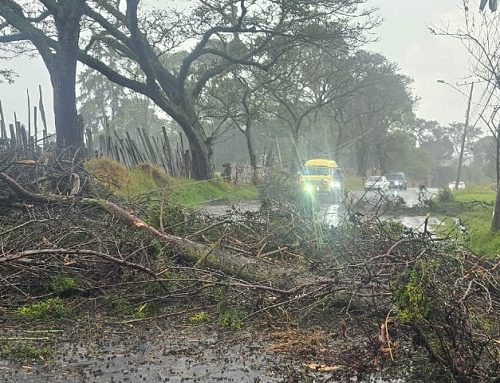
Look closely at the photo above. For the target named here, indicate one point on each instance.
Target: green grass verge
(147, 180)
(186, 192)
(482, 239)
(474, 206)
(353, 183)
(483, 193)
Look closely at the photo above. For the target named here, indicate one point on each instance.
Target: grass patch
(474, 207)
(483, 193)
(24, 351)
(353, 183)
(481, 239)
(49, 309)
(189, 192)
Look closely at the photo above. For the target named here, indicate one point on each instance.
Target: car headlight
(308, 188)
(336, 184)
(396, 182)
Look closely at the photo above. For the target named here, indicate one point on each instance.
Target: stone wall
(243, 174)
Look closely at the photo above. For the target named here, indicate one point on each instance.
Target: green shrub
(49, 309)
(62, 283)
(231, 317)
(200, 316)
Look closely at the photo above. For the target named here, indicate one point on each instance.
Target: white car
(461, 185)
(377, 183)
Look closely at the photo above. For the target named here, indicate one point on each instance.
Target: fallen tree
(257, 269)
(389, 293)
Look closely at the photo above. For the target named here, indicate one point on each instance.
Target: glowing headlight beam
(308, 188)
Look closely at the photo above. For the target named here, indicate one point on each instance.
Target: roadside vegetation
(146, 181)
(473, 207)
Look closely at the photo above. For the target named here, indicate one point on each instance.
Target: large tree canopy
(218, 36)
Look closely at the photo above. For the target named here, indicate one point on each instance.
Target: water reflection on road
(334, 214)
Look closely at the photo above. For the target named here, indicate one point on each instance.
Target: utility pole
(464, 137)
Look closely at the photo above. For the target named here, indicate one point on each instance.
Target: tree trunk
(495, 222)
(297, 157)
(202, 166)
(65, 113)
(250, 147)
(63, 76)
(338, 143)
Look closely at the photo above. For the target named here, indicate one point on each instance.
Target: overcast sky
(403, 37)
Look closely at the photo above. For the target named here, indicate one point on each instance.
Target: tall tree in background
(231, 34)
(309, 80)
(99, 99)
(382, 102)
(27, 24)
(255, 103)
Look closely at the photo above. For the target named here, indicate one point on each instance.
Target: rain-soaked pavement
(334, 214)
(172, 355)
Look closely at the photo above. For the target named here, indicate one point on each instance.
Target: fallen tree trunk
(262, 270)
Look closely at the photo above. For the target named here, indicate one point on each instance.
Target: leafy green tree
(433, 137)
(484, 158)
(309, 80)
(228, 35)
(99, 98)
(399, 152)
(384, 103)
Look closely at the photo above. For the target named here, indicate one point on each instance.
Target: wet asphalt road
(410, 195)
(334, 214)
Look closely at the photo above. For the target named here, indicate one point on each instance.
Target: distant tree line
(247, 74)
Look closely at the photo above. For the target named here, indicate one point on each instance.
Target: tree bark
(63, 75)
(495, 222)
(60, 58)
(202, 166)
(251, 150)
(297, 155)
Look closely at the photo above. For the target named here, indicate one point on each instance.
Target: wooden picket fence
(142, 148)
(124, 147)
(27, 138)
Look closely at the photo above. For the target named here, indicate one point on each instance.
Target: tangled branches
(389, 293)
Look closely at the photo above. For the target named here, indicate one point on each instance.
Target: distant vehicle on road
(377, 183)
(461, 185)
(322, 176)
(397, 180)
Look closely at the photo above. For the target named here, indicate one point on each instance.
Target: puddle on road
(416, 223)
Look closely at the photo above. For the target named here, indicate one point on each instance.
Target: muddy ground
(163, 351)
